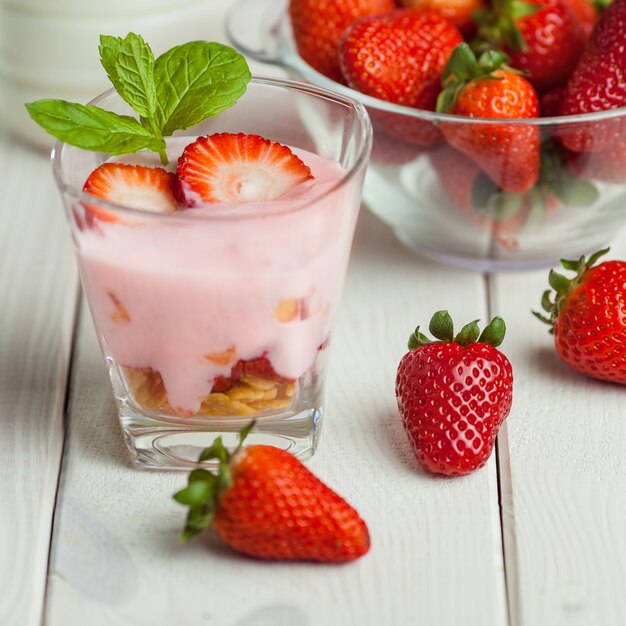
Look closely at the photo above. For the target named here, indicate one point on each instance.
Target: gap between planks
(505, 499)
(69, 374)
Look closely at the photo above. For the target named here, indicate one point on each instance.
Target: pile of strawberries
(491, 59)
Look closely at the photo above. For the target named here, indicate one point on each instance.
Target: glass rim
(224, 211)
(288, 57)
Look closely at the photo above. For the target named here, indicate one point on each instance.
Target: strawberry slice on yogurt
(238, 168)
(134, 186)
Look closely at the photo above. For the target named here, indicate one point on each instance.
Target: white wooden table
(536, 538)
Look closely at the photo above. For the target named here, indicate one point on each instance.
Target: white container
(49, 48)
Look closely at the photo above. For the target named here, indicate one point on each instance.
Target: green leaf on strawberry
(442, 328)
(498, 27)
(463, 68)
(204, 488)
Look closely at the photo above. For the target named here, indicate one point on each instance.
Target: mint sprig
(183, 87)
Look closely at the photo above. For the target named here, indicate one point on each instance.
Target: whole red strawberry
(454, 394)
(318, 25)
(599, 83)
(588, 316)
(544, 39)
(399, 57)
(486, 88)
(265, 503)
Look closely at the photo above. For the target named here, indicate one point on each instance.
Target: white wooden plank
(38, 289)
(436, 552)
(562, 470)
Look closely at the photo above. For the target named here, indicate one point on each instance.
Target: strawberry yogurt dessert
(220, 305)
(212, 215)
(213, 281)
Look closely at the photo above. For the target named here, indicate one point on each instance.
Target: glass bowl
(441, 203)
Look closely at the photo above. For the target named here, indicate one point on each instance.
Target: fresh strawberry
(587, 317)
(599, 84)
(459, 12)
(236, 168)
(586, 12)
(478, 200)
(388, 149)
(550, 102)
(402, 127)
(318, 26)
(608, 165)
(399, 57)
(133, 186)
(454, 394)
(459, 177)
(544, 39)
(507, 153)
(267, 504)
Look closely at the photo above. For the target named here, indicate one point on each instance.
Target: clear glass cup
(208, 319)
(452, 207)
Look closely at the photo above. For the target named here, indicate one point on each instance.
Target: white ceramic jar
(49, 48)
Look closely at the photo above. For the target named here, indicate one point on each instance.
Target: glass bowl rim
(225, 211)
(289, 58)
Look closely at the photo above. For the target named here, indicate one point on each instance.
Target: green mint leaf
(129, 64)
(135, 71)
(92, 128)
(109, 52)
(195, 81)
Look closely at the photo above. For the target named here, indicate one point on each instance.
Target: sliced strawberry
(134, 186)
(238, 168)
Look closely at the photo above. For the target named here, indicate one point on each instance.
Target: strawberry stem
(204, 488)
(462, 68)
(442, 327)
(563, 287)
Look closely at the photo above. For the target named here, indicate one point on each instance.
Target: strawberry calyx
(463, 67)
(553, 303)
(442, 328)
(204, 488)
(497, 27)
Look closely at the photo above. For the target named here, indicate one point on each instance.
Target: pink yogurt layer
(197, 287)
